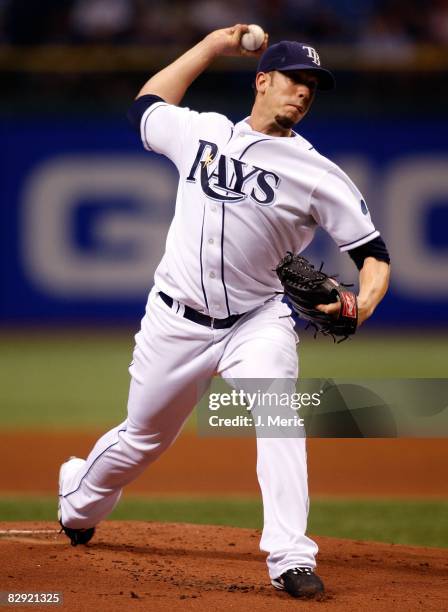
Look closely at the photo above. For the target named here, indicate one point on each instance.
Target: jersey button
(211, 241)
(213, 208)
(212, 275)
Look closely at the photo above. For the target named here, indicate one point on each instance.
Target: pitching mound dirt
(153, 566)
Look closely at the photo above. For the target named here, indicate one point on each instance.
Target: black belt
(202, 319)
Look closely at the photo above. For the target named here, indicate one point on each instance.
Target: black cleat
(300, 582)
(78, 536)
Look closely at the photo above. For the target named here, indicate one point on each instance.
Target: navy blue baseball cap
(291, 55)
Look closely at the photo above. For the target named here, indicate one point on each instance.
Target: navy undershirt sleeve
(375, 248)
(139, 106)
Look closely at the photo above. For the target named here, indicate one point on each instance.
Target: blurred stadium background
(84, 212)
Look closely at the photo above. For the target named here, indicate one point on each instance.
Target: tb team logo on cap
(312, 54)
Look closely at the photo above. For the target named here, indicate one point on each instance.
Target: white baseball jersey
(244, 199)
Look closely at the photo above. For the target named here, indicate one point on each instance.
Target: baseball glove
(305, 288)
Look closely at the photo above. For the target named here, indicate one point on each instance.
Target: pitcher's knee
(143, 447)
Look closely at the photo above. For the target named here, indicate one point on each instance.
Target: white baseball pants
(173, 357)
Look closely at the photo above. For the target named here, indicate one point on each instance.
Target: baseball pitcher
(249, 193)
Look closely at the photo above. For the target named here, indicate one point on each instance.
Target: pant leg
(173, 360)
(264, 347)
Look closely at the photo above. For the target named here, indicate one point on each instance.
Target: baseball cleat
(300, 582)
(76, 536)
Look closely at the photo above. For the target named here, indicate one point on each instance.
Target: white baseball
(252, 40)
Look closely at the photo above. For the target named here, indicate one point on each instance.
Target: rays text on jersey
(231, 179)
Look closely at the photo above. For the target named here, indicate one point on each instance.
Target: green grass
(79, 379)
(412, 522)
(420, 523)
(59, 380)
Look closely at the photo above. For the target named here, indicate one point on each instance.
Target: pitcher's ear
(262, 80)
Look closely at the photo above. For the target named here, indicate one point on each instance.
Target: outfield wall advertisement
(85, 212)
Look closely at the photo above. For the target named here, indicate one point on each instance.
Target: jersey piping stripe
(251, 145)
(222, 229)
(222, 239)
(200, 257)
(146, 119)
(222, 259)
(357, 240)
(96, 459)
